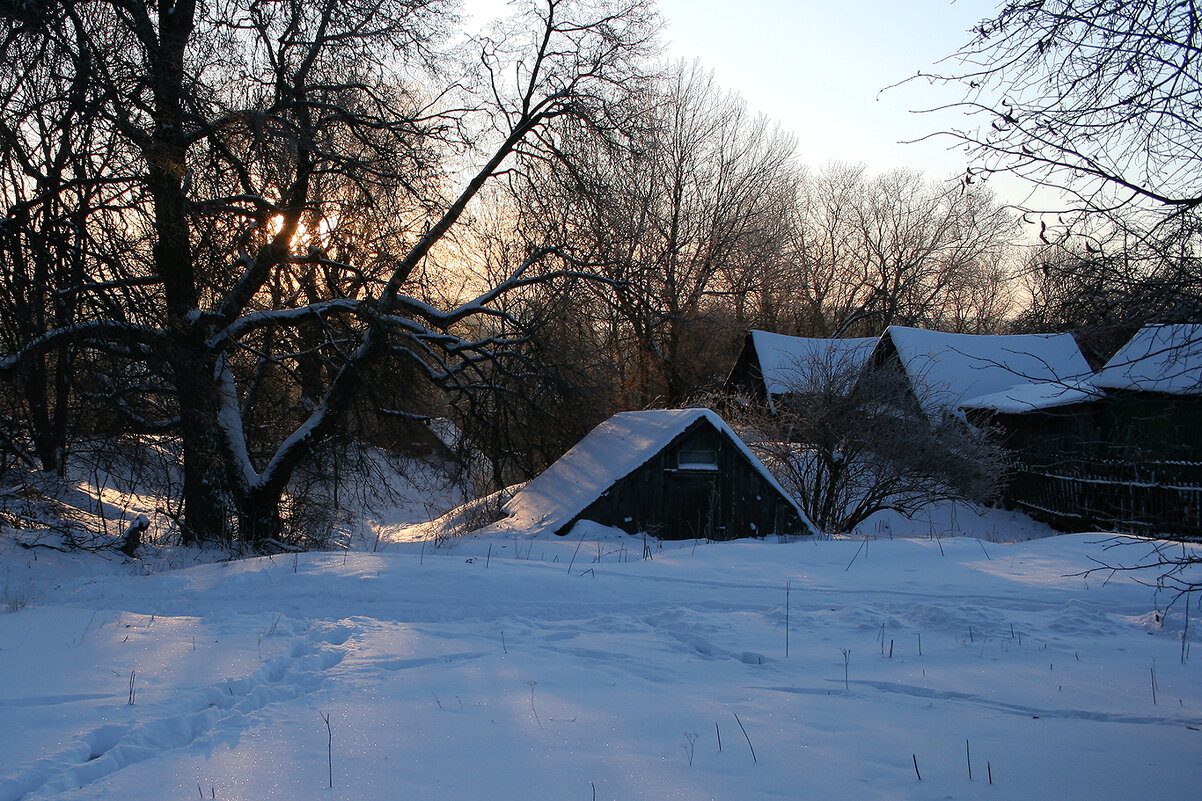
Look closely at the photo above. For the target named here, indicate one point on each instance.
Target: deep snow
(556, 668)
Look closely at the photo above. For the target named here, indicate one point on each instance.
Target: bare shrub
(849, 444)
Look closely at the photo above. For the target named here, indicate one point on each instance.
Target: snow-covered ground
(575, 668)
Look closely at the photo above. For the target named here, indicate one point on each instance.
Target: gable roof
(1159, 358)
(948, 370)
(607, 454)
(781, 357)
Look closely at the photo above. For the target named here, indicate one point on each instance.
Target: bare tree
(690, 202)
(925, 248)
(53, 149)
(848, 444)
(265, 140)
(1096, 99)
(1171, 568)
(817, 287)
(1105, 295)
(866, 253)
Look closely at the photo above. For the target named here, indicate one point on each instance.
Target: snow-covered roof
(609, 453)
(1159, 358)
(1031, 397)
(946, 369)
(783, 357)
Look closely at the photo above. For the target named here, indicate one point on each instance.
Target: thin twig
(853, 558)
(578, 544)
(749, 745)
(329, 745)
(787, 619)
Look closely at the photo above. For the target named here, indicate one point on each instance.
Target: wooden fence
(1158, 499)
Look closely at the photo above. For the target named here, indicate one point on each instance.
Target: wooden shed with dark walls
(673, 473)
(1040, 423)
(1154, 395)
(1121, 451)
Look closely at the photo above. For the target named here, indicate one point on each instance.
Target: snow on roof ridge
(781, 356)
(1164, 357)
(955, 366)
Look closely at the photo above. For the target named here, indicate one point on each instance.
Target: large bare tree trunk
(205, 499)
(206, 494)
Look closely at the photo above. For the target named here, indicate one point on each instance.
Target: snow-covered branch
(93, 331)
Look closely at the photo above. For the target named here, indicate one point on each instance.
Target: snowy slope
(556, 668)
(1029, 397)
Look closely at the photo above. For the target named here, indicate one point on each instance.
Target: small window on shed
(697, 459)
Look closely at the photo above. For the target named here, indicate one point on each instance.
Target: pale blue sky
(818, 67)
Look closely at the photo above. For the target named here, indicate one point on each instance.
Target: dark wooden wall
(1130, 462)
(730, 501)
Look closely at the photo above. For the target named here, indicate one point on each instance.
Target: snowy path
(468, 673)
